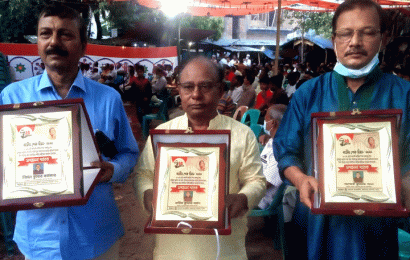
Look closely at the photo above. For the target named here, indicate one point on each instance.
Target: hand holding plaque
(237, 205)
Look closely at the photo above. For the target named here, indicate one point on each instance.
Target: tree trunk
(96, 12)
(235, 27)
(98, 24)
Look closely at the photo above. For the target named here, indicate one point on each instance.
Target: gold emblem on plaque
(38, 204)
(359, 212)
(39, 103)
(186, 230)
(356, 111)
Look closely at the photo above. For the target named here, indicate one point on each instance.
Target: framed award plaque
(47, 149)
(356, 161)
(190, 183)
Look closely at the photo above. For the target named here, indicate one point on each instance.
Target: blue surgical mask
(357, 73)
(265, 127)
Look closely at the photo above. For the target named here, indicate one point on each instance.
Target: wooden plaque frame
(177, 148)
(356, 161)
(83, 150)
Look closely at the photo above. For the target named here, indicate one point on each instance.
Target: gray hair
(276, 111)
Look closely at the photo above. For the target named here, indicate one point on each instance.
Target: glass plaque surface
(190, 182)
(356, 162)
(35, 159)
(43, 163)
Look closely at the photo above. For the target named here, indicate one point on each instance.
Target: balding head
(215, 70)
(276, 112)
(200, 89)
(273, 118)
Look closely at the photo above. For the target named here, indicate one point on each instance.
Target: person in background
(270, 169)
(105, 74)
(143, 93)
(129, 88)
(159, 87)
(293, 78)
(279, 95)
(247, 61)
(230, 73)
(264, 97)
(214, 60)
(226, 106)
(224, 61)
(237, 91)
(110, 76)
(248, 95)
(93, 230)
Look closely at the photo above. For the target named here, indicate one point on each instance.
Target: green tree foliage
(124, 15)
(205, 23)
(18, 18)
(321, 23)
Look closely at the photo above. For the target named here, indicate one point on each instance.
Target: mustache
(57, 51)
(362, 52)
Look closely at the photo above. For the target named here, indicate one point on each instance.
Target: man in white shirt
(270, 168)
(200, 90)
(160, 85)
(224, 60)
(247, 62)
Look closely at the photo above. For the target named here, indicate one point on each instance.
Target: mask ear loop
(337, 58)
(380, 46)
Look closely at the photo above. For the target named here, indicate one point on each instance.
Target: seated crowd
(131, 83)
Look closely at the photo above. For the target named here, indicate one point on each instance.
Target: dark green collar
(365, 90)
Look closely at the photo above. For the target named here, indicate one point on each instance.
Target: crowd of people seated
(260, 87)
(131, 83)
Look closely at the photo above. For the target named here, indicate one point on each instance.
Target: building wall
(257, 27)
(267, 34)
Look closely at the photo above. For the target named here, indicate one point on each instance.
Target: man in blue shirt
(92, 230)
(356, 83)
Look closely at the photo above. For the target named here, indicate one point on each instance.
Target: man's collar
(214, 123)
(45, 82)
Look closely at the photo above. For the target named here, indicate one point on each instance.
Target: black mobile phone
(107, 146)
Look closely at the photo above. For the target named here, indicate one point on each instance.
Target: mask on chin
(357, 73)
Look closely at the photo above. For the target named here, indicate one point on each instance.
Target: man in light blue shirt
(79, 232)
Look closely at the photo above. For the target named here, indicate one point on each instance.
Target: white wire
(184, 223)
(218, 245)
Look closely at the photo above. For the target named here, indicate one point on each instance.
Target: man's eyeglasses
(366, 35)
(204, 87)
